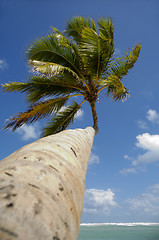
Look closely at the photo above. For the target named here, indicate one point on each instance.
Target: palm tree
(78, 62)
(42, 184)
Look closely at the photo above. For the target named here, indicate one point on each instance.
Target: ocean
(119, 231)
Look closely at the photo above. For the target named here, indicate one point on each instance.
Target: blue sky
(122, 183)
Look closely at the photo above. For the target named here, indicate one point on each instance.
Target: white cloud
(153, 116)
(102, 206)
(146, 203)
(29, 132)
(127, 157)
(3, 64)
(99, 201)
(150, 143)
(142, 124)
(79, 114)
(126, 171)
(147, 142)
(155, 188)
(93, 158)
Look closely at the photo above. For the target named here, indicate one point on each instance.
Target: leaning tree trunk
(42, 187)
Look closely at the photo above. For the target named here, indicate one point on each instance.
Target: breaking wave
(119, 224)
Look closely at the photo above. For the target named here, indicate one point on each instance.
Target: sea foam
(119, 224)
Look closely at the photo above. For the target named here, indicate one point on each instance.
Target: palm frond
(37, 87)
(36, 112)
(15, 87)
(89, 50)
(121, 65)
(115, 88)
(51, 49)
(75, 26)
(106, 28)
(51, 69)
(95, 51)
(106, 32)
(73, 45)
(62, 119)
(64, 40)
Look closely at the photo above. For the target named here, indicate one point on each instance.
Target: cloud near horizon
(99, 201)
(146, 204)
(101, 205)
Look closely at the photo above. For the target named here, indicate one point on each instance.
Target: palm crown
(78, 62)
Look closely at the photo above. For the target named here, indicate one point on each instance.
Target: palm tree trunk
(95, 119)
(42, 187)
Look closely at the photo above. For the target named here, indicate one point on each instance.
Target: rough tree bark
(42, 187)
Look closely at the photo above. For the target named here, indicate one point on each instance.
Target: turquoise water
(119, 232)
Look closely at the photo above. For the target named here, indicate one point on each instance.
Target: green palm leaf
(121, 65)
(115, 88)
(52, 49)
(38, 87)
(64, 40)
(36, 112)
(73, 45)
(76, 25)
(78, 62)
(62, 119)
(51, 69)
(117, 69)
(106, 28)
(106, 32)
(96, 51)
